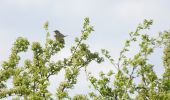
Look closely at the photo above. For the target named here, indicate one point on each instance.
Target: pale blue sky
(112, 21)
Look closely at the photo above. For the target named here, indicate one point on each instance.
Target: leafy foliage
(129, 69)
(31, 80)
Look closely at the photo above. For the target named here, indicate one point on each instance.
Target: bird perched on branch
(59, 35)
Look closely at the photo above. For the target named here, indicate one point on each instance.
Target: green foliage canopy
(31, 80)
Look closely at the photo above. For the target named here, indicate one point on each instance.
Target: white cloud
(24, 3)
(128, 10)
(134, 10)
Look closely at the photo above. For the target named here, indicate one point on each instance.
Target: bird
(58, 34)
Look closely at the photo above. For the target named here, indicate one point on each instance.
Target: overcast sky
(112, 21)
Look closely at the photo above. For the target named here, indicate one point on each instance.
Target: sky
(112, 21)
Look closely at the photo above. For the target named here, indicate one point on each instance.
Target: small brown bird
(58, 34)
